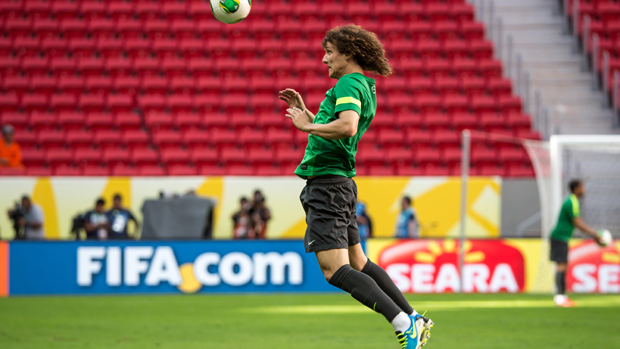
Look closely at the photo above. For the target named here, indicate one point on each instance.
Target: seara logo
(594, 269)
(127, 266)
(431, 266)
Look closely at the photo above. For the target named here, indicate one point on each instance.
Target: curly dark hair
(362, 45)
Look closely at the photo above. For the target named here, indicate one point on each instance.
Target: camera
(17, 213)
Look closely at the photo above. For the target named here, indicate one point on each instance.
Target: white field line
(437, 306)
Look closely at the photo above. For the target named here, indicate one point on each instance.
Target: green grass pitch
(302, 321)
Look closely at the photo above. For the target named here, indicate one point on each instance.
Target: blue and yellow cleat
(417, 334)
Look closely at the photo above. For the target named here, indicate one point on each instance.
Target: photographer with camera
(27, 220)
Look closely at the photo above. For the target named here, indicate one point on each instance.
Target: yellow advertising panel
(436, 201)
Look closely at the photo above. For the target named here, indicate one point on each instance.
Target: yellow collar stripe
(344, 100)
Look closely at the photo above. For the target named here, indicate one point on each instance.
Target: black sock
(387, 285)
(365, 290)
(560, 281)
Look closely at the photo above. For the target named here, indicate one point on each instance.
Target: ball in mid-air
(606, 238)
(230, 11)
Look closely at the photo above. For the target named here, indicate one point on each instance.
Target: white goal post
(601, 154)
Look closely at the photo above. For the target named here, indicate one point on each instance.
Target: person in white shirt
(32, 220)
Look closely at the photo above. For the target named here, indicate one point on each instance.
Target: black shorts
(559, 251)
(329, 202)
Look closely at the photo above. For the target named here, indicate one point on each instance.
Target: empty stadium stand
(122, 88)
(597, 23)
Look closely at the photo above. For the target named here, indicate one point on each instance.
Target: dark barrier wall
(38, 268)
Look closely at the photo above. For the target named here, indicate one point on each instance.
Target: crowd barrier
(419, 266)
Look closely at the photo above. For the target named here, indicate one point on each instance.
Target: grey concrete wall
(520, 201)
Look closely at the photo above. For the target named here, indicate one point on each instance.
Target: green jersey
(564, 229)
(337, 157)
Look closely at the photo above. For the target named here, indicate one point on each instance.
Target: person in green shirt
(330, 195)
(569, 218)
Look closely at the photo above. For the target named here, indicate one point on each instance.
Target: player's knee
(561, 267)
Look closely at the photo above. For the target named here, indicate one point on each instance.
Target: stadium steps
(539, 34)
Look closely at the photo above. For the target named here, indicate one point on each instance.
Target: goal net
(594, 159)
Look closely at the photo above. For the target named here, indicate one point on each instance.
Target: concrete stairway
(539, 34)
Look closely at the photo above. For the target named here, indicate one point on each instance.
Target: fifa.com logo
(127, 266)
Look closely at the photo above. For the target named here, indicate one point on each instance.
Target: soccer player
(330, 193)
(568, 219)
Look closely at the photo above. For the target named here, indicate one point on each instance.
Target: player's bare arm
(343, 127)
(579, 223)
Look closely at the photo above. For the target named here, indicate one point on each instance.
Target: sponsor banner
(418, 266)
(436, 201)
(162, 267)
(4, 269)
(432, 266)
(592, 268)
(503, 265)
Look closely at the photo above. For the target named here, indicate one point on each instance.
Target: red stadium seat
(234, 156)
(142, 156)
(116, 156)
(88, 156)
(182, 170)
(426, 156)
(91, 102)
(437, 121)
(151, 170)
(95, 73)
(289, 155)
(482, 155)
(175, 156)
(79, 138)
(26, 138)
(51, 138)
(179, 102)
(33, 157)
(269, 170)
(71, 120)
(166, 138)
(18, 120)
(239, 170)
(123, 170)
(275, 136)
(135, 138)
(67, 170)
(39, 171)
(260, 155)
(58, 156)
(400, 155)
(71, 83)
(204, 155)
(127, 120)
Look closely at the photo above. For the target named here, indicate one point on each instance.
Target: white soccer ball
(606, 238)
(231, 11)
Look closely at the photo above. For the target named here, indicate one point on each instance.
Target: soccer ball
(231, 11)
(606, 238)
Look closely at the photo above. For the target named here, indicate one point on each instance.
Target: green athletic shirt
(337, 157)
(564, 229)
